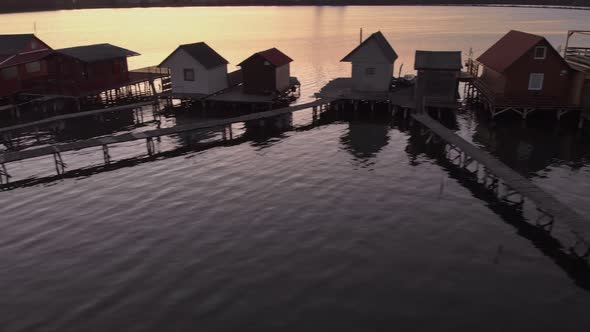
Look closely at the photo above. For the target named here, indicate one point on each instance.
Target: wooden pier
(64, 117)
(149, 135)
(499, 174)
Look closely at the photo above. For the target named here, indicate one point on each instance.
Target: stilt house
(525, 69)
(266, 72)
(372, 64)
(197, 69)
(438, 76)
(92, 67)
(22, 62)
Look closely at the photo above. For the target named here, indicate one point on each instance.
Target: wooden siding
(555, 83)
(495, 81)
(441, 85)
(260, 76)
(207, 81)
(371, 56)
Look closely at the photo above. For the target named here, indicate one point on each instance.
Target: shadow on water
(511, 213)
(367, 135)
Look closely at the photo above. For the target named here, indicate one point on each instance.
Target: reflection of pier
(510, 211)
(507, 183)
(149, 136)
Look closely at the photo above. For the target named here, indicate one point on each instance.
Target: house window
(189, 74)
(33, 67)
(536, 81)
(370, 71)
(540, 52)
(9, 73)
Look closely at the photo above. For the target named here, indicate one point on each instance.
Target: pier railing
(577, 51)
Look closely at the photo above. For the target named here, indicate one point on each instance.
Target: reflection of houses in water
(364, 140)
(88, 127)
(530, 150)
(259, 131)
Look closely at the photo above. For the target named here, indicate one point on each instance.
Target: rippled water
(342, 224)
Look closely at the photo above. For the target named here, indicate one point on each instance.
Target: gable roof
(202, 53)
(18, 59)
(272, 55)
(97, 52)
(13, 44)
(508, 49)
(383, 44)
(438, 60)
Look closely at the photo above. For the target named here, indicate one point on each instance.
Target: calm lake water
(346, 224)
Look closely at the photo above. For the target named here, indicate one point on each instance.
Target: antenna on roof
(35, 27)
(361, 37)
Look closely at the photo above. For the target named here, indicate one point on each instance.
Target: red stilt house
(92, 67)
(22, 61)
(525, 69)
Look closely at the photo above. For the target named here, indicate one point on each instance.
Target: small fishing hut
(372, 64)
(266, 72)
(196, 69)
(437, 83)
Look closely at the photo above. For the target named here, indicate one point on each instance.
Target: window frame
(36, 69)
(370, 71)
(541, 82)
(544, 56)
(187, 71)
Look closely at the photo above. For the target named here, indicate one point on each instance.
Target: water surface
(346, 224)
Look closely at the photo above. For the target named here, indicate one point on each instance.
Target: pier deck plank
(544, 201)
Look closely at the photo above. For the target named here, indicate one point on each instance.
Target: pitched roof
(508, 49)
(24, 58)
(13, 44)
(438, 60)
(97, 52)
(383, 44)
(201, 52)
(272, 55)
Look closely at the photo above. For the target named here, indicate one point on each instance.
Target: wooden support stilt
(4, 176)
(151, 148)
(105, 154)
(60, 166)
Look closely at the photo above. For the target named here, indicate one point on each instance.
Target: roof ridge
(382, 43)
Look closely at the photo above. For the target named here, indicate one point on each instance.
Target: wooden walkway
(73, 116)
(148, 135)
(545, 202)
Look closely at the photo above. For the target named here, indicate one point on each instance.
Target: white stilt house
(196, 69)
(372, 64)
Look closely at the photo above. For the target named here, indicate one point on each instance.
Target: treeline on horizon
(34, 5)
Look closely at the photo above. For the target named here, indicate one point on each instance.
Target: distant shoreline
(229, 4)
